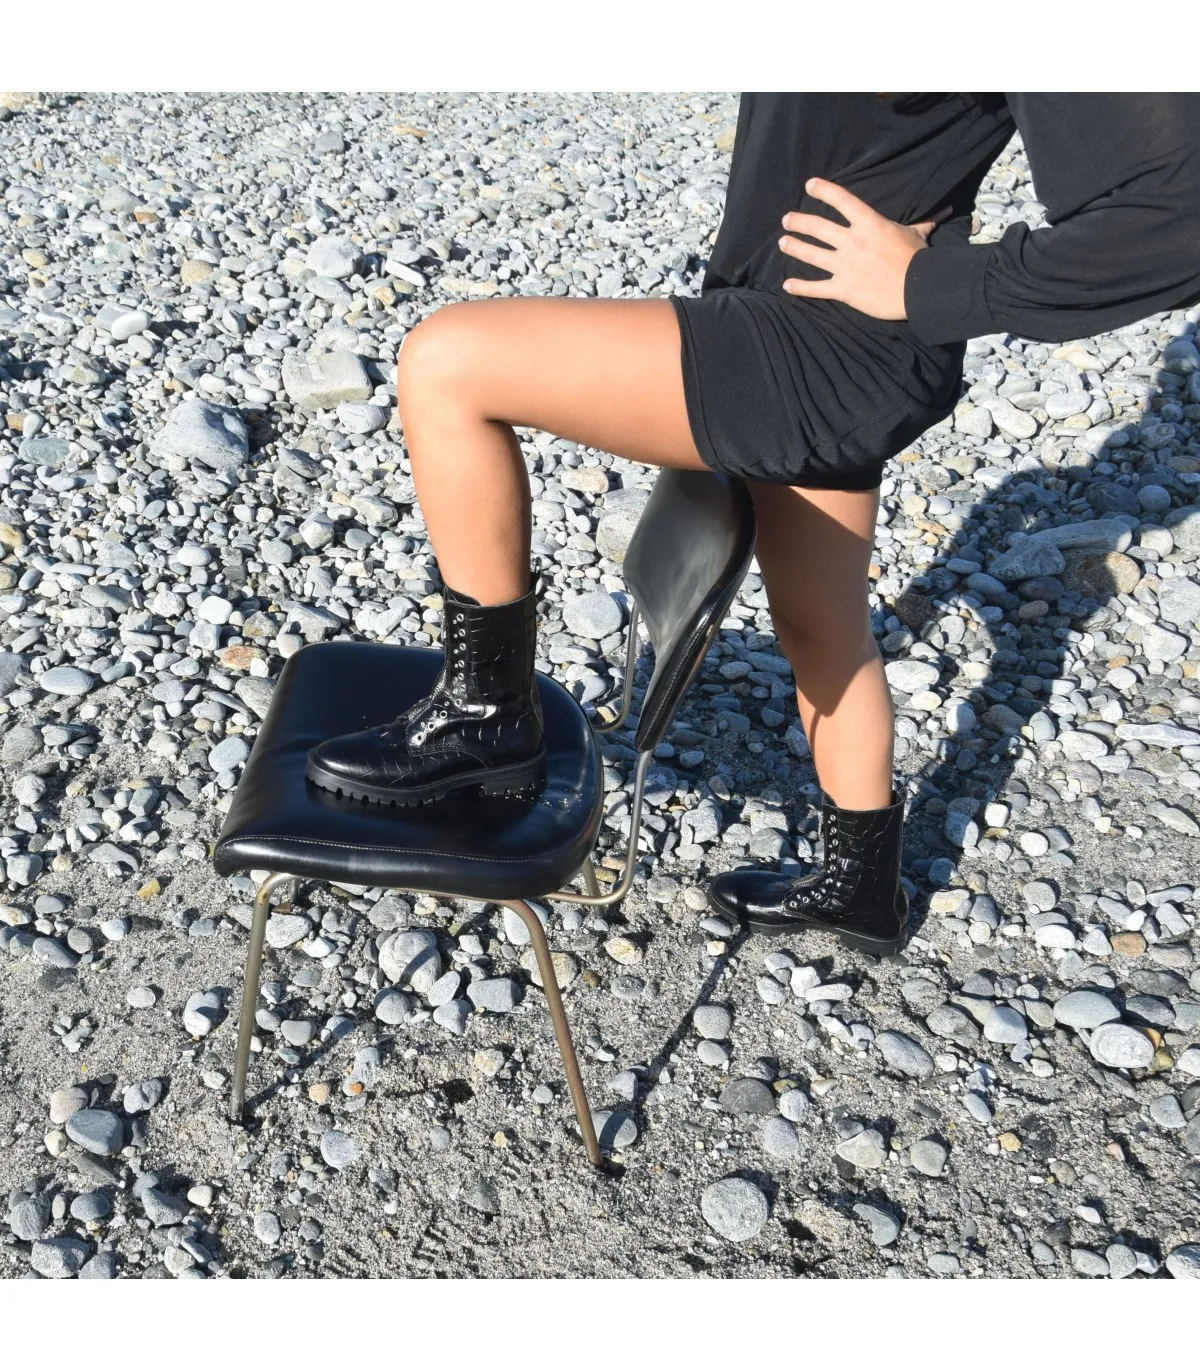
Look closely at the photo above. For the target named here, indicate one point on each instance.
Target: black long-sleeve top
(1119, 175)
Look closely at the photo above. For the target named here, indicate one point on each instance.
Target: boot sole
(520, 779)
(861, 943)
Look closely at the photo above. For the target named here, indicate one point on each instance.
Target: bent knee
(440, 352)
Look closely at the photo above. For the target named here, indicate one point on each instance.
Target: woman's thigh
(604, 373)
(814, 549)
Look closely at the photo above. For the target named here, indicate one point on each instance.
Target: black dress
(810, 392)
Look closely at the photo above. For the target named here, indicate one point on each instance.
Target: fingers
(847, 204)
(818, 290)
(815, 226)
(807, 252)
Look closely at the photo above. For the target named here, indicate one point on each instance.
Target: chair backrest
(685, 562)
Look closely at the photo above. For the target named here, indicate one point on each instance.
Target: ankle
(864, 799)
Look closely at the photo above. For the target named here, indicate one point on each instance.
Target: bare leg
(605, 373)
(814, 547)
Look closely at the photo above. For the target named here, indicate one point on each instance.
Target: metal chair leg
(258, 933)
(562, 1030)
(590, 884)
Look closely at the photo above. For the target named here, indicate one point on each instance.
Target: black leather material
(857, 892)
(489, 848)
(684, 564)
(482, 723)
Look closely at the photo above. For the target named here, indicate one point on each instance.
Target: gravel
(202, 471)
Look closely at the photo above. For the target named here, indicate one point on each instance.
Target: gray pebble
(884, 1226)
(904, 1055)
(1120, 1045)
(339, 1150)
(929, 1157)
(748, 1096)
(735, 1208)
(58, 1258)
(97, 1131)
(779, 1138)
(28, 1218)
(712, 1021)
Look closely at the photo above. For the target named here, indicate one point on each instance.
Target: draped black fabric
(813, 392)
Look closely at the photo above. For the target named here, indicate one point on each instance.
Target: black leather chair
(688, 556)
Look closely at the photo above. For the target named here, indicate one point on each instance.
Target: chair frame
(591, 896)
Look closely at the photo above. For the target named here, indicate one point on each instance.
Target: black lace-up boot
(856, 894)
(480, 725)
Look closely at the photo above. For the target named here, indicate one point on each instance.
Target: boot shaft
(490, 651)
(863, 847)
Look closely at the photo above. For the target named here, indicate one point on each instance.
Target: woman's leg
(814, 547)
(605, 373)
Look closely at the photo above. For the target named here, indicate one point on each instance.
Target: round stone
(229, 753)
(794, 1105)
(267, 1228)
(1167, 1113)
(58, 1258)
(748, 1096)
(1121, 1045)
(65, 1102)
(614, 1129)
(334, 257)
(298, 1032)
(929, 1156)
(713, 1054)
(1038, 895)
(66, 681)
(392, 1006)
(143, 1096)
(865, 1149)
(1121, 1259)
(1005, 1025)
(91, 1207)
(779, 1138)
(904, 1055)
(453, 1015)
(594, 615)
(284, 931)
(910, 675)
(1085, 1010)
(410, 957)
(712, 1021)
(1184, 1261)
(201, 1013)
(884, 1226)
(29, 1217)
(735, 1208)
(339, 1150)
(97, 1131)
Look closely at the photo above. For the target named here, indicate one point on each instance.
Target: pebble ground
(201, 469)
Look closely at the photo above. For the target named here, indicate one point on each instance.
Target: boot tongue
(459, 598)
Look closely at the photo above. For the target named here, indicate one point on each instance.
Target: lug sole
(523, 779)
(861, 943)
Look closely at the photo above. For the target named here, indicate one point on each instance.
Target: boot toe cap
(748, 893)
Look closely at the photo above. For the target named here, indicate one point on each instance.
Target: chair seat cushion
(490, 848)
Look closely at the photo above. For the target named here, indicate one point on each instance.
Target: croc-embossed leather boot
(481, 725)
(856, 894)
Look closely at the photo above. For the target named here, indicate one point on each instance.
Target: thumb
(926, 226)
